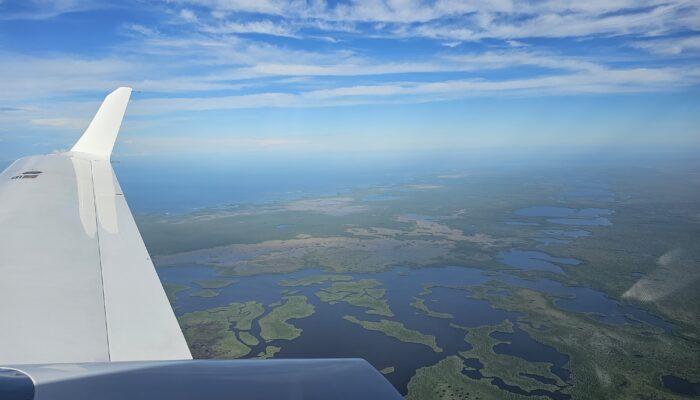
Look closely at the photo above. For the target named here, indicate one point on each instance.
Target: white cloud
(598, 81)
(70, 123)
(265, 27)
(180, 69)
(46, 9)
(138, 30)
(252, 6)
(188, 15)
(515, 43)
(29, 79)
(450, 20)
(452, 44)
(673, 46)
(471, 20)
(227, 144)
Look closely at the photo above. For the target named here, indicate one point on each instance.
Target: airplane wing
(78, 292)
(77, 283)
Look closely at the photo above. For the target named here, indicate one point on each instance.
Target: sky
(383, 76)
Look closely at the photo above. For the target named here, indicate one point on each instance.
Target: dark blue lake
(568, 216)
(681, 386)
(534, 260)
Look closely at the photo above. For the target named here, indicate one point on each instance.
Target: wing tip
(98, 139)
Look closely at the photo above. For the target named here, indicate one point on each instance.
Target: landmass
(397, 330)
(514, 371)
(248, 339)
(419, 304)
(205, 293)
(171, 290)
(364, 293)
(446, 381)
(209, 332)
(387, 370)
(275, 325)
(314, 280)
(336, 254)
(215, 283)
(269, 352)
(611, 361)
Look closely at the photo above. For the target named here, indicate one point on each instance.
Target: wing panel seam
(99, 257)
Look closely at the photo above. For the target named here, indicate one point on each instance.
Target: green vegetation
(274, 325)
(606, 361)
(171, 290)
(397, 330)
(337, 254)
(269, 352)
(362, 293)
(314, 280)
(209, 332)
(513, 370)
(248, 338)
(419, 304)
(387, 370)
(446, 381)
(215, 283)
(205, 293)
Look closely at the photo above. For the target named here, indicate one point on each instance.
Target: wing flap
(141, 324)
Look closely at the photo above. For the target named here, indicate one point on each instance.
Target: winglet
(100, 135)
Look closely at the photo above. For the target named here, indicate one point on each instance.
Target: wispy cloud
(234, 143)
(71, 123)
(469, 21)
(580, 82)
(671, 46)
(200, 55)
(45, 9)
(265, 27)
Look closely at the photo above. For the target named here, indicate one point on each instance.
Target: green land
(205, 293)
(248, 338)
(209, 332)
(514, 371)
(269, 352)
(446, 381)
(364, 293)
(606, 361)
(315, 280)
(275, 325)
(171, 290)
(215, 283)
(387, 370)
(397, 330)
(419, 304)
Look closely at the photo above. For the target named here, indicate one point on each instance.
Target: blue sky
(227, 76)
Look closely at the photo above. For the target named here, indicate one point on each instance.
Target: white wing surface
(76, 281)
